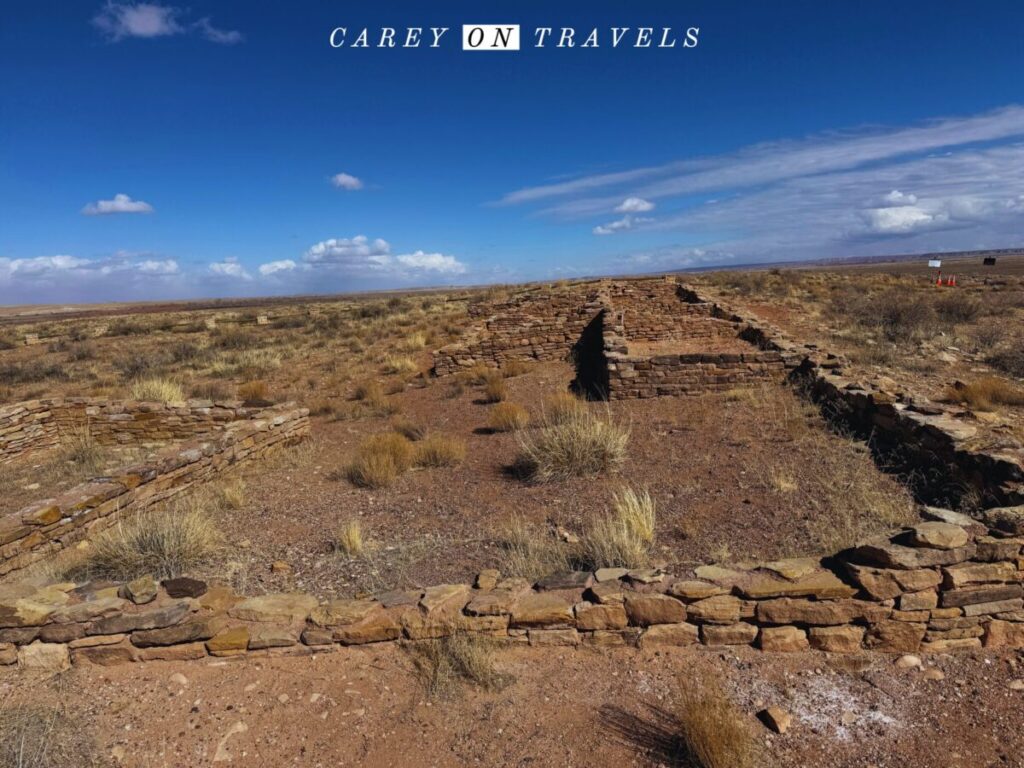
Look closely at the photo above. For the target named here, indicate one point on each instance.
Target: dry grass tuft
(986, 393)
(562, 407)
(372, 396)
(1009, 359)
(34, 736)
(232, 493)
(462, 656)
(164, 543)
(579, 445)
(380, 459)
(394, 364)
(623, 537)
(254, 392)
(514, 368)
(408, 428)
(157, 390)
(349, 538)
(508, 417)
(531, 553)
(440, 451)
(494, 388)
(714, 733)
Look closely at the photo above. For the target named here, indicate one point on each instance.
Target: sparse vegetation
(460, 657)
(164, 543)
(622, 537)
(380, 459)
(508, 417)
(408, 428)
(440, 451)
(584, 443)
(254, 392)
(45, 736)
(494, 387)
(157, 390)
(714, 733)
(562, 407)
(986, 393)
(531, 553)
(348, 539)
(394, 364)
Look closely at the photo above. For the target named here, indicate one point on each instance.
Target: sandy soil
(567, 707)
(755, 478)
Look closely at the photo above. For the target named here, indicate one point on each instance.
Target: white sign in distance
(935, 263)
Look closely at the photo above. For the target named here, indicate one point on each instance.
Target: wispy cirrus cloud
(122, 20)
(120, 203)
(947, 183)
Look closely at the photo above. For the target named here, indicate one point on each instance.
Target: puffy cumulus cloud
(361, 257)
(40, 266)
(231, 268)
(901, 219)
(634, 205)
(273, 267)
(898, 198)
(346, 181)
(118, 21)
(120, 204)
(432, 262)
(626, 222)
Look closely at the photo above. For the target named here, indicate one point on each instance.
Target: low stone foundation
(240, 435)
(36, 425)
(937, 587)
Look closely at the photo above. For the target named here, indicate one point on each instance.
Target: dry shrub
(1009, 359)
(37, 736)
(957, 307)
(394, 364)
(254, 392)
(986, 393)
(232, 493)
(372, 396)
(380, 459)
(368, 390)
(461, 656)
(157, 390)
(440, 451)
(165, 543)
(494, 389)
(583, 444)
(348, 539)
(714, 733)
(78, 448)
(531, 553)
(514, 368)
(408, 428)
(210, 390)
(623, 537)
(476, 375)
(414, 342)
(256, 362)
(456, 389)
(508, 417)
(394, 386)
(562, 407)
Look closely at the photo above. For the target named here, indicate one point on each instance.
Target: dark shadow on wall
(591, 364)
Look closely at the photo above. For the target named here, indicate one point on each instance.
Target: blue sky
(165, 149)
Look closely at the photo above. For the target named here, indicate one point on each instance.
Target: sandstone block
(186, 652)
(887, 583)
(542, 609)
(885, 554)
(445, 598)
(183, 586)
(843, 639)
(669, 634)
(141, 591)
(645, 610)
(229, 642)
(1004, 634)
(153, 618)
(938, 535)
(186, 632)
(972, 574)
(277, 608)
(944, 646)
(819, 612)
(958, 598)
(374, 628)
(895, 636)
(106, 655)
(600, 617)
(783, 639)
(998, 606)
(548, 637)
(919, 601)
(720, 609)
(822, 585)
(739, 633)
(337, 613)
(692, 589)
(8, 654)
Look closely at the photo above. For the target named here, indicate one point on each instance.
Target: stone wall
(45, 528)
(937, 587)
(35, 425)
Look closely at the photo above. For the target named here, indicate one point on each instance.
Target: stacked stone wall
(47, 527)
(934, 588)
(35, 425)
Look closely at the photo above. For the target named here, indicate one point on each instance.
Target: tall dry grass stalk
(578, 443)
(157, 390)
(623, 537)
(714, 733)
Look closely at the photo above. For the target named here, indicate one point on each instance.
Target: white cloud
(432, 262)
(158, 267)
(775, 162)
(230, 268)
(899, 219)
(346, 181)
(634, 205)
(626, 222)
(64, 277)
(272, 267)
(120, 20)
(40, 266)
(898, 198)
(120, 204)
(361, 257)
